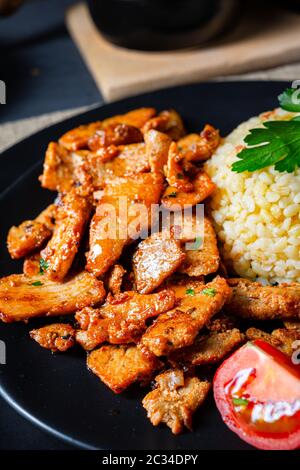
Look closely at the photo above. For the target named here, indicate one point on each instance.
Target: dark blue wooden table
(43, 72)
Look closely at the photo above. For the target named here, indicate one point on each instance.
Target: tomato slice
(257, 391)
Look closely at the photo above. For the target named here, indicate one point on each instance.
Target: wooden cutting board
(260, 40)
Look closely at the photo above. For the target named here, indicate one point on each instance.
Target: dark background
(43, 72)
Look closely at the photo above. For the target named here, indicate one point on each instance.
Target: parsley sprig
(276, 143)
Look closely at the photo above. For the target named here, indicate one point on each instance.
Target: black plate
(55, 391)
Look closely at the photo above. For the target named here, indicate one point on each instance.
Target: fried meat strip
(63, 169)
(169, 122)
(282, 338)
(78, 138)
(209, 349)
(205, 259)
(23, 297)
(292, 325)
(72, 216)
(31, 234)
(122, 319)
(137, 118)
(175, 173)
(56, 337)
(175, 399)
(120, 366)
(115, 279)
(199, 147)
(203, 187)
(115, 134)
(156, 258)
(157, 149)
(253, 300)
(221, 323)
(179, 327)
(124, 200)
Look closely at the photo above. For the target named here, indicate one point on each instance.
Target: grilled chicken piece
(258, 302)
(292, 325)
(157, 149)
(31, 265)
(115, 279)
(111, 230)
(23, 297)
(88, 171)
(31, 234)
(156, 258)
(72, 216)
(137, 118)
(115, 134)
(175, 399)
(120, 366)
(78, 138)
(204, 259)
(63, 169)
(122, 319)
(169, 122)
(199, 147)
(203, 187)
(283, 339)
(221, 323)
(56, 337)
(179, 327)
(175, 175)
(209, 349)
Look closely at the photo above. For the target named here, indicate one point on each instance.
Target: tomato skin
(225, 374)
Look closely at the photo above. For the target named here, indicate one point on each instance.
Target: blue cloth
(40, 64)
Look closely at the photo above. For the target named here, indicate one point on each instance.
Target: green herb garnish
(190, 292)
(276, 143)
(290, 100)
(37, 283)
(43, 266)
(240, 401)
(174, 194)
(210, 291)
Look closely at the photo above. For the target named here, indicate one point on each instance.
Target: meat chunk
(199, 147)
(221, 323)
(115, 279)
(94, 328)
(115, 134)
(169, 122)
(175, 399)
(123, 212)
(179, 327)
(175, 174)
(72, 217)
(31, 234)
(120, 366)
(56, 337)
(253, 300)
(282, 338)
(137, 118)
(78, 138)
(209, 349)
(122, 319)
(156, 258)
(23, 297)
(292, 325)
(204, 258)
(203, 187)
(157, 148)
